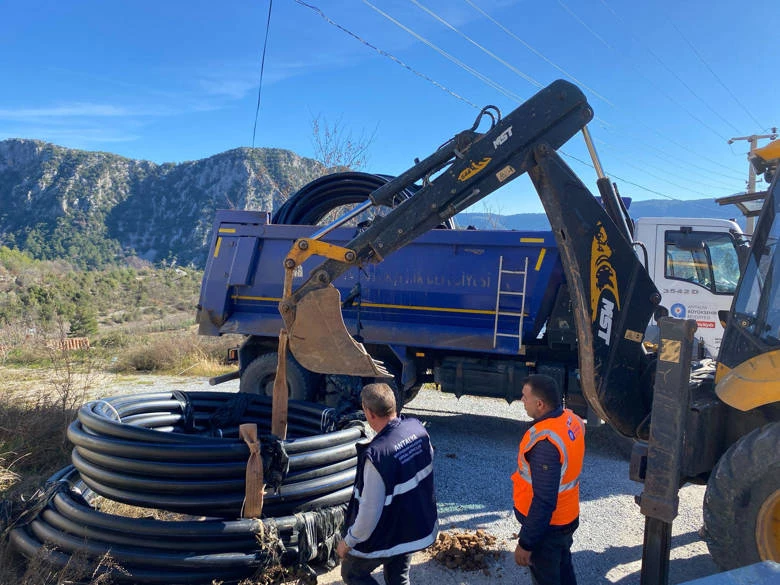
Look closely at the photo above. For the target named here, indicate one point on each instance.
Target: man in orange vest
(547, 484)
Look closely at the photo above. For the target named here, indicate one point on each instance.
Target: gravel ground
(476, 447)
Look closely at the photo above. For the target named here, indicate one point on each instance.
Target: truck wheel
(742, 501)
(259, 376)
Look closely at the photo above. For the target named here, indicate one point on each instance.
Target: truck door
(697, 276)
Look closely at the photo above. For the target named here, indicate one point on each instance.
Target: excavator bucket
(320, 342)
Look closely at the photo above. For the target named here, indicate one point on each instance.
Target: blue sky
(170, 81)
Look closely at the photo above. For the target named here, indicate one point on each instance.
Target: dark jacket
(402, 454)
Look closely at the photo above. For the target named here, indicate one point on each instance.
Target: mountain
(94, 208)
(649, 208)
(97, 208)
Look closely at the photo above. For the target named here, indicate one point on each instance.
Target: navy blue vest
(401, 453)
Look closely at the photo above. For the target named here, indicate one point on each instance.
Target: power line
(616, 149)
(655, 192)
(715, 75)
(665, 66)
(482, 77)
(262, 69)
(537, 53)
(512, 68)
(386, 54)
(506, 92)
(599, 118)
(666, 179)
(639, 72)
(674, 159)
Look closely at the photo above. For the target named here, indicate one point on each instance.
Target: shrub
(157, 354)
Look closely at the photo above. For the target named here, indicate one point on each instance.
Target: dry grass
(34, 415)
(39, 571)
(180, 352)
(41, 392)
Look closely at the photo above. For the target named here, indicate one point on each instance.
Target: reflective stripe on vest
(401, 488)
(410, 484)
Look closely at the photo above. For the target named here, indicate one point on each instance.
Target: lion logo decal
(604, 295)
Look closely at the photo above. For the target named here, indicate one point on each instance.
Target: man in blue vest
(392, 512)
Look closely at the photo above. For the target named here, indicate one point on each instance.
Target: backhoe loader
(729, 424)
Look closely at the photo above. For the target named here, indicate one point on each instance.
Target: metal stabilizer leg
(671, 397)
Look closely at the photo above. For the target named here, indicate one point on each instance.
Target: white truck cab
(695, 265)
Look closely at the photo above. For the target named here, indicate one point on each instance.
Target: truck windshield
(757, 305)
(708, 259)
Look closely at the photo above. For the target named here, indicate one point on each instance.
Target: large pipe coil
(314, 201)
(181, 452)
(63, 529)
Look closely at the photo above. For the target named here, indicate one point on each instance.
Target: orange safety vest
(567, 433)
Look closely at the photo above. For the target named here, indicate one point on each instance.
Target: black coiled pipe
(69, 530)
(310, 204)
(158, 450)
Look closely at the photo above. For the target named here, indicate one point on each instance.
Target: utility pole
(751, 184)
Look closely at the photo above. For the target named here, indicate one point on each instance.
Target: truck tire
(259, 376)
(742, 501)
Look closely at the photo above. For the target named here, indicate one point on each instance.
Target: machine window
(706, 259)
(758, 304)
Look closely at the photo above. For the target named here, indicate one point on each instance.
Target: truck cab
(695, 263)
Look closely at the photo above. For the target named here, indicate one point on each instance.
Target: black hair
(545, 389)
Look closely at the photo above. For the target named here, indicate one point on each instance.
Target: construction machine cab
(747, 370)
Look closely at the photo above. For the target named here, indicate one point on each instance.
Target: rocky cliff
(96, 207)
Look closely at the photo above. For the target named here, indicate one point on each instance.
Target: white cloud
(78, 137)
(80, 109)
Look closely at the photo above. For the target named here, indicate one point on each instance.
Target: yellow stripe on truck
(382, 306)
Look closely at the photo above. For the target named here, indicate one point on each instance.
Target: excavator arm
(467, 168)
(612, 293)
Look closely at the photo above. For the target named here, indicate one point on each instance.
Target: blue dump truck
(473, 311)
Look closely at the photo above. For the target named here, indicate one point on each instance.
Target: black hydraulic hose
(100, 419)
(320, 461)
(138, 555)
(229, 504)
(314, 201)
(158, 451)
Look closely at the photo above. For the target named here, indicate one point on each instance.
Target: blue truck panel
(441, 291)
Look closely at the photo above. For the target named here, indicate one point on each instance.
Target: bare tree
(492, 213)
(335, 147)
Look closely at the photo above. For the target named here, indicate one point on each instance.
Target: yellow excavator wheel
(768, 528)
(742, 501)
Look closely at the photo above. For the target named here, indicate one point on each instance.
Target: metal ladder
(506, 293)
